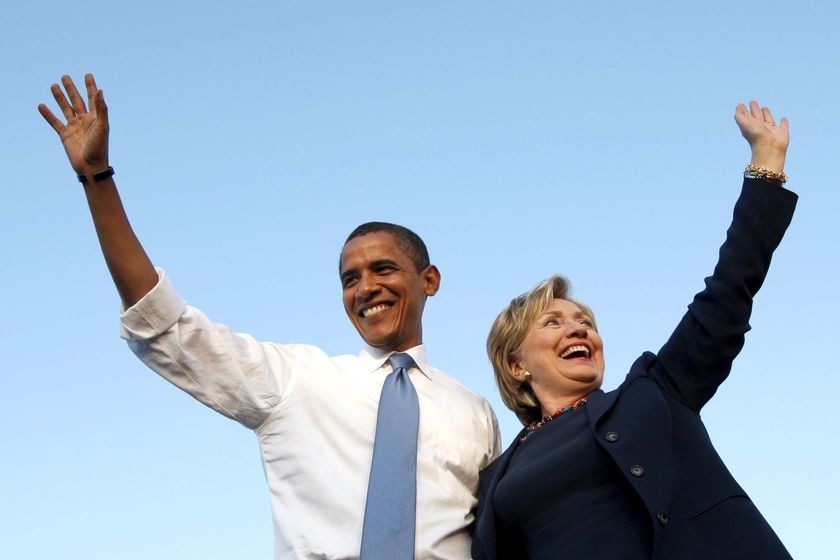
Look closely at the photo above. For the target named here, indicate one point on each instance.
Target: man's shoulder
(310, 353)
(452, 384)
(472, 410)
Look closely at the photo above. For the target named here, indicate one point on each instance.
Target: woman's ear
(518, 371)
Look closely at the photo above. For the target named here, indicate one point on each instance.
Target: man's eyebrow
(373, 264)
(380, 262)
(348, 272)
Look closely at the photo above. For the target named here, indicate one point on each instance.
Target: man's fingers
(74, 108)
(75, 99)
(98, 103)
(53, 121)
(63, 104)
(90, 85)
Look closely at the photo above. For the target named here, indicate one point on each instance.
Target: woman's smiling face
(564, 354)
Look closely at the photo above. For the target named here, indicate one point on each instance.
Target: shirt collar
(374, 358)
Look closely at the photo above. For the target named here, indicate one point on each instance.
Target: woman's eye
(588, 323)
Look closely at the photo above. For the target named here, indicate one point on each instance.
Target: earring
(526, 375)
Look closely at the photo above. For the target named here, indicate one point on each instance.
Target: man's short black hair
(408, 241)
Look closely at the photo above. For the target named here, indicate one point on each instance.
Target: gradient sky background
(519, 139)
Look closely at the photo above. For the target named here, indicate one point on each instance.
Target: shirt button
(637, 470)
(662, 517)
(611, 436)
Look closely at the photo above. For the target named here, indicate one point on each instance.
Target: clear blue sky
(519, 139)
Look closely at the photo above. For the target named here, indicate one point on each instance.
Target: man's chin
(378, 341)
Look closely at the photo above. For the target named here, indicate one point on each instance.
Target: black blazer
(650, 425)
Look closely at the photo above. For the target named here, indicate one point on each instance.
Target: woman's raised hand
(768, 139)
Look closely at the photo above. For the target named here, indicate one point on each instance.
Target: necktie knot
(401, 360)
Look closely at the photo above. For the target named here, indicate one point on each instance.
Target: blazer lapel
(640, 413)
(598, 402)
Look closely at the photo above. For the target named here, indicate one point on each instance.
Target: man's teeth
(374, 310)
(574, 349)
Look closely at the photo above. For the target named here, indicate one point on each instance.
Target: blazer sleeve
(698, 356)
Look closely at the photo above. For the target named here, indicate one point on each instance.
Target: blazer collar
(598, 402)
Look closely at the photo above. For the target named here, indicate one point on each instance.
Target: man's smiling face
(383, 292)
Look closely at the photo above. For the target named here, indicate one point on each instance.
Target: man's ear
(431, 276)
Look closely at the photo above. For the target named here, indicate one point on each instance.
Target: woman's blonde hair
(505, 341)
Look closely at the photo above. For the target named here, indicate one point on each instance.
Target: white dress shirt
(315, 418)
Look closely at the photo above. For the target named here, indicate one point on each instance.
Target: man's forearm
(130, 267)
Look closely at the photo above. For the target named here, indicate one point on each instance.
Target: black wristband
(98, 176)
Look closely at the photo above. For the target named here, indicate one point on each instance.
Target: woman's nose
(576, 328)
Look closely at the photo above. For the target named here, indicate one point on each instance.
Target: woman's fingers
(768, 116)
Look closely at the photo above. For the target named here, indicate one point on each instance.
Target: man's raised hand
(85, 132)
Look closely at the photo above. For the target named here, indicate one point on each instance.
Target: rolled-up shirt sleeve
(230, 372)
(154, 313)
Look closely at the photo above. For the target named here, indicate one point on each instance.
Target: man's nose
(366, 288)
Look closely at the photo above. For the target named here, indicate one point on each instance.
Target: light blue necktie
(388, 530)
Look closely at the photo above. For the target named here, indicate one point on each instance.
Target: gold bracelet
(758, 172)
